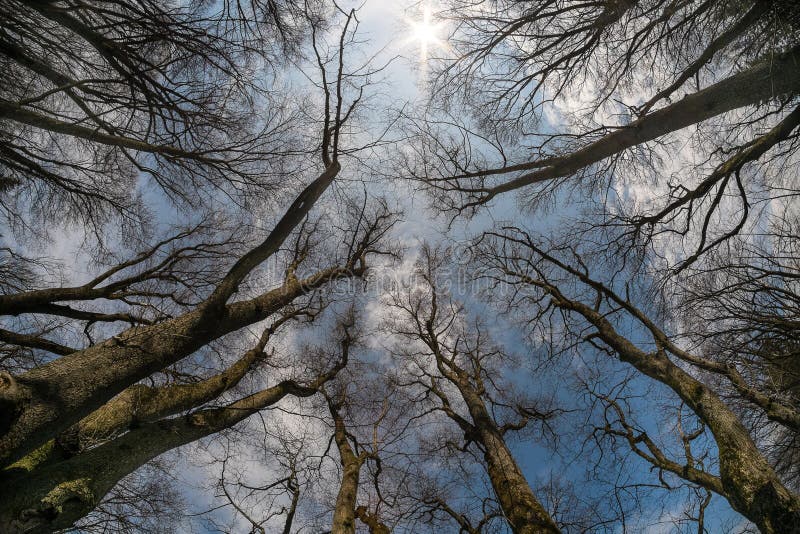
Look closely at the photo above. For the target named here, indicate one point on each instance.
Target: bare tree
(726, 69)
(746, 299)
(365, 422)
(672, 125)
(263, 505)
(106, 92)
(675, 121)
(555, 284)
(449, 354)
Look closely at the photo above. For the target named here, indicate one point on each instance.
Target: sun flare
(425, 33)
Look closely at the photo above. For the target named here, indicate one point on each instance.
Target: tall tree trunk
(751, 485)
(523, 511)
(344, 515)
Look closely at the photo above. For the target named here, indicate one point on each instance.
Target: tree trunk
(51, 398)
(523, 511)
(137, 404)
(751, 485)
(344, 515)
(55, 496)
(772, 77)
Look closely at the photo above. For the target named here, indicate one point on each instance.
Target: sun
(425, 33)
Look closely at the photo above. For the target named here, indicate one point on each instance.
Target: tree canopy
(467, 266)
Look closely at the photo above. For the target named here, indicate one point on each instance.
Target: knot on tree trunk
(69, 498)
(372, 521)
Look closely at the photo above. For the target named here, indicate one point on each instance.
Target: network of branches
(252, 282)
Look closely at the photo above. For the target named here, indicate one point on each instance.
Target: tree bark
(344, 515)
(137, 404)
(55, 496)
(523, 511)
(751, 485)
(51, 398)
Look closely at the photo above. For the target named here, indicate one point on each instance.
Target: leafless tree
(105, 92)
(454, 368)
(746, 299)
(275, 505)
(726, 69)
(673, 125)
(556, 286)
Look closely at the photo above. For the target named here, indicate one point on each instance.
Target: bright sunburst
(425, 33)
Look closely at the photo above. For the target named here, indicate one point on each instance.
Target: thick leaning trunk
(136, 405)
(767, 79)
(524, 513)
(750, 484)
(53, 397)
(54, 496)
(47, 400)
